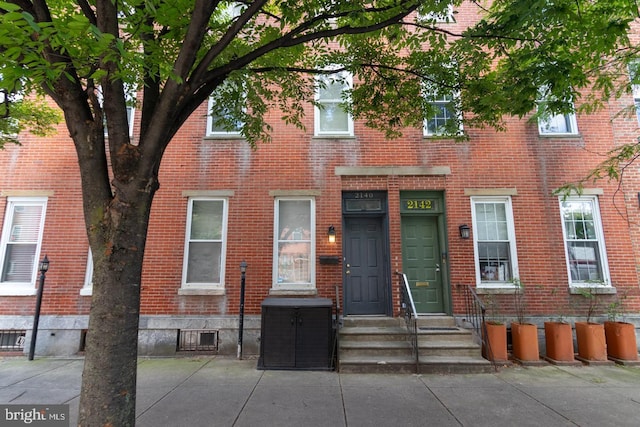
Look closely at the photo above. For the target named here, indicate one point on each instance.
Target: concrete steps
(381, 345)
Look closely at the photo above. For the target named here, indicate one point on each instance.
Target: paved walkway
(215, 391)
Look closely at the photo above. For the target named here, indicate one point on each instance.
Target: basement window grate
(12, 339)
(198, 340)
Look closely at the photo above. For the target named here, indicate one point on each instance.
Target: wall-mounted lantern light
(465, 231)
(332, 234)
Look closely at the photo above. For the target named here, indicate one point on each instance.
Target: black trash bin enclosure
(297, 333)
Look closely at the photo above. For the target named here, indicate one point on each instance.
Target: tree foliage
(252, 56)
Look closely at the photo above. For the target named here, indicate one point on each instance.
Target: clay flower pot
(591, 341)
(524, 338)
(621, 340)
(496, 336)
(559, 341)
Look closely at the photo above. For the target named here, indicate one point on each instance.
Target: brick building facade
(395, 205)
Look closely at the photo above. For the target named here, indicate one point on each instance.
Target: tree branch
(88, 11)
(226, 39)
(289, 40)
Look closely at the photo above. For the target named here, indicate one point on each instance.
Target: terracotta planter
(497, 340)
(591, 341)
(524, 338)
(559, 341)
(621, 340)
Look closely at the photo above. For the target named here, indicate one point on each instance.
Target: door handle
(437, 267)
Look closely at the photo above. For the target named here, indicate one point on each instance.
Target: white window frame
(511, 239)
(635, 89)
(597, 223)
(222, 240)
(210, 133)
(277, 284)
(87, 287)
(544, 127)
(445, 100)
(21, 288)
(545, 124)
(439, 18)
(349, 132)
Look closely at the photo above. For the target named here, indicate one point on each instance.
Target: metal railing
(408, 311)
(336, 331)
(475, 317)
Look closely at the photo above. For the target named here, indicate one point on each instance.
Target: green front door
(421, 262)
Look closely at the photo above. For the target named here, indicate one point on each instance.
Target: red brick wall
(295, 160)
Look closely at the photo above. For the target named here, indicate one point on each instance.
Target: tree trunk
(108, 393)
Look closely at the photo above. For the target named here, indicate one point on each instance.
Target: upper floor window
(445, 120)
(584, 241)
(494, 238)
(635, 85)
(20, 244)
(294, 251)
(444, 14)
(220, 123)
(331, 117)
(555, 124)
(220, 118)
(558, 124)
(205, 243)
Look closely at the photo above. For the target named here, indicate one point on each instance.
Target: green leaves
(495, 66)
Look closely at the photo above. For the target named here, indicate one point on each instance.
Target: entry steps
(372, 344)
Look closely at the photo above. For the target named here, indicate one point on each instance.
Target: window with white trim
(559, 124)
(87, 287)
(20, 244)
(494, 240)
(443, 15)
(635, 87)
(555, 124)
(205, 243)
(220, 122)
(444, 120)
(584, 241)
(294, 243)
(331, 118)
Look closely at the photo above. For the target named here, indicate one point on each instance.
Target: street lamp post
(44, 266)
(243, 270)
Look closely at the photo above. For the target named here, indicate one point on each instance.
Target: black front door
(365, 274)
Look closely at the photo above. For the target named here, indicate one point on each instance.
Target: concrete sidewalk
(216, 391)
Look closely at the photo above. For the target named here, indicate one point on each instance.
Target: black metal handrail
(475, 316)
(336, 338)
(408, 311)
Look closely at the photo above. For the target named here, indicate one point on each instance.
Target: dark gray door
(421, 262)
(365, 278)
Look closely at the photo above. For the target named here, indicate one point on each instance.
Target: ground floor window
(294, 243)
(584, 241)
(20, 243)
(205, 243)
(494, 240)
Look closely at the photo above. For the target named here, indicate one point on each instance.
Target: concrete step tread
(374, 344)
(369, 360)
(371, 330)
(424, 332)
(406, 344)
